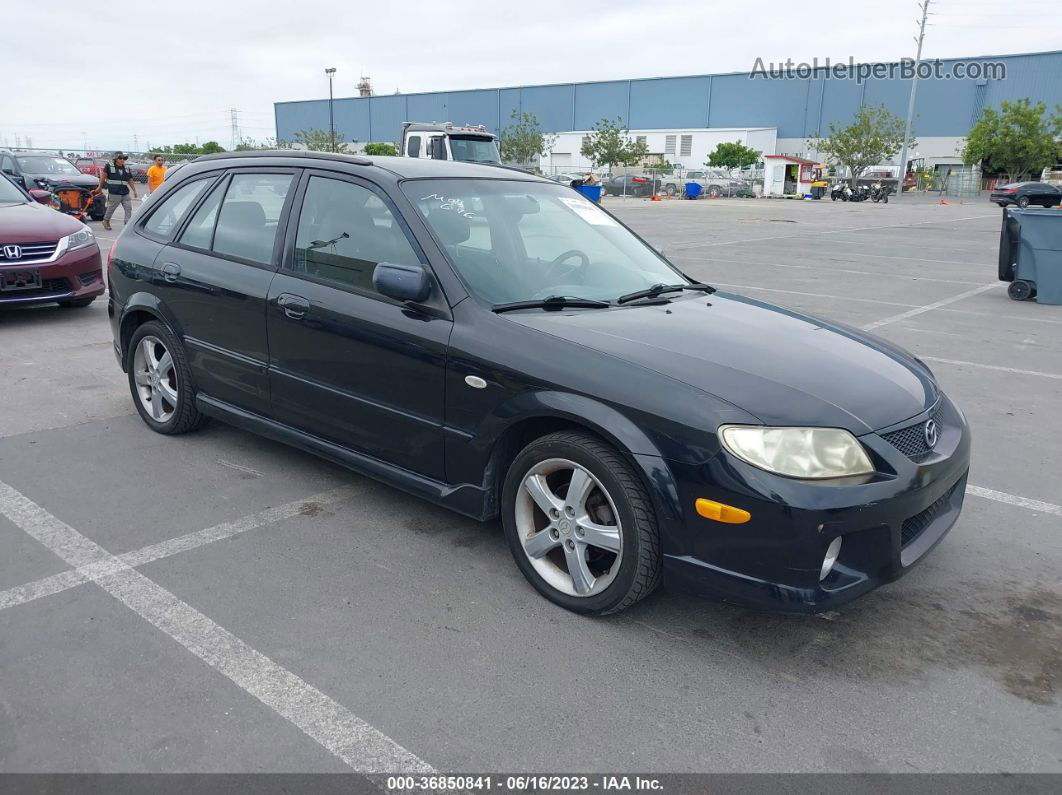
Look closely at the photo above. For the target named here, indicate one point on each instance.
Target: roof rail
(344, 158)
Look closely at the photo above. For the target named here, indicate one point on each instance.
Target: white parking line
(1011, 499)
(928, 307)
(827, 269)
(164, 549)
(1000, 368)
(333, 726)
(809, 295)
(704, 244)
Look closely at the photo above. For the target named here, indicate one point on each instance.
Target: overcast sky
(113, 69)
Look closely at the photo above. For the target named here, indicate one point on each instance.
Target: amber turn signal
(717, 511)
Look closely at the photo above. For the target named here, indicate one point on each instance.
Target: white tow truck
(444, 141)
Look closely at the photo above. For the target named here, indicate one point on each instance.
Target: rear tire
(1023, 202)
(608, 533)
(160, 380)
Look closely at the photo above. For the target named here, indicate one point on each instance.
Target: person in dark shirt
(117, 180)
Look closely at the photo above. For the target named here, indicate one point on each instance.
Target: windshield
(522, 241)
(9, 193)
(474, 150)
(41, 164)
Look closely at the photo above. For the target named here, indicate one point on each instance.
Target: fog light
(832, 551)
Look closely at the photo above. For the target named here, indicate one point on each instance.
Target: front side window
(173, 208)
(516, 241)
(413, 146)
(345, 230)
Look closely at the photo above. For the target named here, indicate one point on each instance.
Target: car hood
(81, 180)
(784, 367)
(32, 223)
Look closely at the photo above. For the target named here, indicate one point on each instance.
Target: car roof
(401, 167)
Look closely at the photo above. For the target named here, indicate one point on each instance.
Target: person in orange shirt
(155, 174)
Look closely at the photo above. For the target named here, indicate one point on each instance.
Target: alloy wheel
(156, 378)
(569, 527)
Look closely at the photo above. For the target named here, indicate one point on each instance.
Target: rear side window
(200, 230)
(242, 222)
(174, 207)
(413, 146)
(249, 216)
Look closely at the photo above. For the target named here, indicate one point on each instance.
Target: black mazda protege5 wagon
(498, 344)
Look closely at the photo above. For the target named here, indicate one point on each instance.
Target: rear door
(347, 364)
(215, 279)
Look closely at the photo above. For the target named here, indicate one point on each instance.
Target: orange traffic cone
(654, 198)
(944, 202)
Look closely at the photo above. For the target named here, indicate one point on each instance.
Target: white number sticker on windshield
(588, 212)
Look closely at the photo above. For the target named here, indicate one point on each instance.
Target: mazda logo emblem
(931, 431)
(12, 252)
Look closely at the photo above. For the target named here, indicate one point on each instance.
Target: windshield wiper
(657, 289)
(553, 302)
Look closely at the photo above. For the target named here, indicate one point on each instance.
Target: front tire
(161, 381)
(594, 550)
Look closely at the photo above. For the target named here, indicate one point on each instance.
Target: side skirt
(466, 498)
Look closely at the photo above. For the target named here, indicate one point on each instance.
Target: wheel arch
(139, 309)
(554, 411)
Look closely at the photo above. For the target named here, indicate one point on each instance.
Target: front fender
(484, 456)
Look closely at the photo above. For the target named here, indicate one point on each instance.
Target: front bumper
(888, 523)
(73, 276)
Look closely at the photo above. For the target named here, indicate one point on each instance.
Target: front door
(215, 279)
(347, 364)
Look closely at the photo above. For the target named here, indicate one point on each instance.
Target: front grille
(911, 441)
(89, 278)
(30, 251)
(914, 527)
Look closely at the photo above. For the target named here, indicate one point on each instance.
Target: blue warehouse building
(795, 107)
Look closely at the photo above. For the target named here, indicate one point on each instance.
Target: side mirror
(402, 282)
(438, 148)
(41, 196)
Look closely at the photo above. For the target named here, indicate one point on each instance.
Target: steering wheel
(553, 271)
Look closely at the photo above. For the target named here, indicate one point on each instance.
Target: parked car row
(36, 170)
(94, 166)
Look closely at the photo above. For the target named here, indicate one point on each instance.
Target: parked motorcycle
(840, 191)
(859, 194)
(880, 193)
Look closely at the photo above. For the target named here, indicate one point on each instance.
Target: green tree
(1017, 140)
(733, 155)
(609, 145)
(381, 149)
(210, 148)
(250, 144)
(873, 137)
(317, 140)
(523, 141)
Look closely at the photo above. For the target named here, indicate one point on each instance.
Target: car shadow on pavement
(1009, 631)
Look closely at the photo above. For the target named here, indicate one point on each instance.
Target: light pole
(330, 71)
(911, 101)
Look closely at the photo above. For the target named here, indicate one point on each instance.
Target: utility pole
(331, 71)
(136, 143)
(235, 127)
(84, 141)
(911, 102)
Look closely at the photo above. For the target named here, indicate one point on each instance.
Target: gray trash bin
(1030, 254)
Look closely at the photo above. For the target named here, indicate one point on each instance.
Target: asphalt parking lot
(218, 602)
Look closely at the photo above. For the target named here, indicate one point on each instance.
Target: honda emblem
(12, 252)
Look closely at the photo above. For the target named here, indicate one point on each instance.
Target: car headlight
(798, 452)
(79, 239)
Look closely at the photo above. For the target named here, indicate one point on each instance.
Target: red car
(45, 256)
(94, 166)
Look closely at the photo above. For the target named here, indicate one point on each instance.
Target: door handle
(294, 306)
(170, 271)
